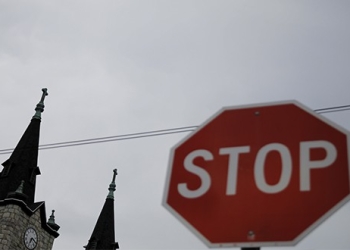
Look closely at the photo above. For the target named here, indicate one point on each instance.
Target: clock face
(30, 238)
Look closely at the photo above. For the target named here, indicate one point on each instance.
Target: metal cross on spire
(40, 106)
(112, 186)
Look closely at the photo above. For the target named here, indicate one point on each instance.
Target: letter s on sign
(200, 172)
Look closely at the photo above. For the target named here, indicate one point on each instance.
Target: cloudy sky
(120, 67)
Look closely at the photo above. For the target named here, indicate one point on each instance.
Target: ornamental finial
(40, 106)
(20, 187)
(52, 217)
(112, 186)
(51, 222)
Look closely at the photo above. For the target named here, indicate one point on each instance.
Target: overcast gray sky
(119, 67)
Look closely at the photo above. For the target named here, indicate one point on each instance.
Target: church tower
(23, 222)
(103, 236)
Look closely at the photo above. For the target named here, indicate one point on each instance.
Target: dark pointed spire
(103, 236)
(22, 164)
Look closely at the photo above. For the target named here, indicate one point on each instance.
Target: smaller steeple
(103, 236)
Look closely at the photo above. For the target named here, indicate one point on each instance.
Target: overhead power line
(145, 134)
(332, 109)
(109, 138)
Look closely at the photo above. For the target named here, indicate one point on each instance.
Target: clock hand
(32, 239)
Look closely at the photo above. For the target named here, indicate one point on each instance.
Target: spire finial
(18, 194)
(112, 186)
(52, 217)
(40, 106)
(20, 187)
(51, 222)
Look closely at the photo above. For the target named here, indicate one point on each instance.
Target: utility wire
(145, 134)
(127, 136)
(109, 138)
(118, 137)
(332, 109)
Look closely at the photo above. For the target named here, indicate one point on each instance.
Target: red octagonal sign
(259, 175)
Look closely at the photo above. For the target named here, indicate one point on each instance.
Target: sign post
(258, 175)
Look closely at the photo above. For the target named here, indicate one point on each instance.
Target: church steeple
(103, 236)
(25, 224)
(18, 176)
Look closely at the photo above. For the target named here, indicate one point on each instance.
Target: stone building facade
(15, 219)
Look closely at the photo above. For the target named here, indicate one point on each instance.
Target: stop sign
(258, 175)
